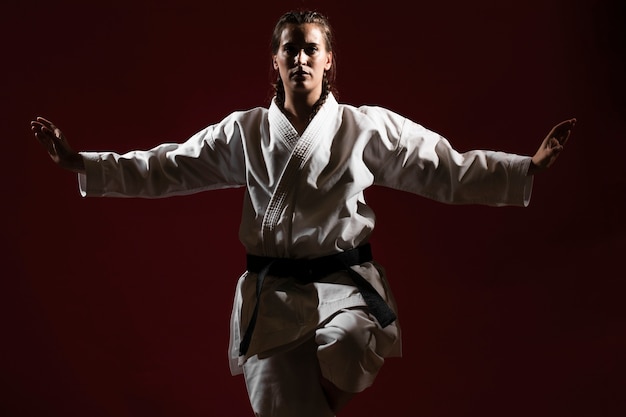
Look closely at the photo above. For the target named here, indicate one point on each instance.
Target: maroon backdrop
(120, 307)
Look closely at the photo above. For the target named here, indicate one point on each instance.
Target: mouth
(300, 73)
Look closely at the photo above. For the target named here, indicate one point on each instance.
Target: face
(302, 58)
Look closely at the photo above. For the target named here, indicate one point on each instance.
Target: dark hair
(300, 18)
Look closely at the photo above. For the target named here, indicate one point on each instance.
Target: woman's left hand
(551, 146)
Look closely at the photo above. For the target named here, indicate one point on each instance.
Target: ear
(329, 61)
(274, 62)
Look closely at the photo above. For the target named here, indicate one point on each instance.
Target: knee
(349, 349)
(342, 341)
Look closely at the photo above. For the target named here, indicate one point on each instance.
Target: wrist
(533, 168)
(75, 164)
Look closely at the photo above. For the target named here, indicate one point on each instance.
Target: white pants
(348, 351)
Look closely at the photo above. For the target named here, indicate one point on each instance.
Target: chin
(302, 88)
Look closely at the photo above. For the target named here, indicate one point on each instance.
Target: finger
(36, 123)
(553, 143)
(562, 131)
(564, 125)
(39, 128)
(45, 142)
(39, 138)
(53, 132)
(47, 123)
(572, 122)
(44, 121)
(47, 131)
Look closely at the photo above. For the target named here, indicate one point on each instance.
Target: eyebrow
(298, 43)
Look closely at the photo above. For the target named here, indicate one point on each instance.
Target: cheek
(281, 65)
(325, 62)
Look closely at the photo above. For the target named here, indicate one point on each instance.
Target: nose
(301, 57)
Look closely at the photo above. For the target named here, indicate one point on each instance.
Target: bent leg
(351, 351)
(318, 377)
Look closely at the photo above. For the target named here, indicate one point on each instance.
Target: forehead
(304, 33)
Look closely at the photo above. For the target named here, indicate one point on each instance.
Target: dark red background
(120, 308)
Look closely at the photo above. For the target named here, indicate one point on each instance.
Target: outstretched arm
(56, 145)
(551, 146)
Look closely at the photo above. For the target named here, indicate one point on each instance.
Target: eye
(289, 49)
(310, 50)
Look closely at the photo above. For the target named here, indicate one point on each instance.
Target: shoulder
(371, 112)
(243, 120)
(372, 116)
(247, 116)
(236, 125)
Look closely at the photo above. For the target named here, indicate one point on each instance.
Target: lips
(300, 73)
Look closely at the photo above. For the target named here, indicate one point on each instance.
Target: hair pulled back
(300, 18)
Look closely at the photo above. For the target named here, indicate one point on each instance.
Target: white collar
(283, 128)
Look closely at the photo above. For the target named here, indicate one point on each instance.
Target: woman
(313, 316)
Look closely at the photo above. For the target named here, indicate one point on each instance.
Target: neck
(301, 104)
(299, 107)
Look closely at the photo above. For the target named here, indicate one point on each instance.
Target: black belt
(311, 270)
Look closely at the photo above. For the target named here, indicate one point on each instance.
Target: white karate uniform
(304, 198)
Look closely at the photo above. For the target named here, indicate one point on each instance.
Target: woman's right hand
(56, 145)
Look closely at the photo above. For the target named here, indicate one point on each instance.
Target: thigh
(287, 384)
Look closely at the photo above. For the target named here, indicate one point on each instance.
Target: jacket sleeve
(409, 157)
(211, 159)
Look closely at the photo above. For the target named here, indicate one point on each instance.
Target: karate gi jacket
(304, 196)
